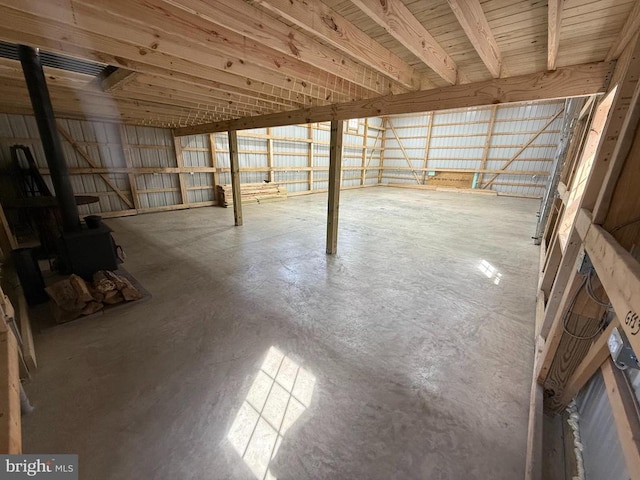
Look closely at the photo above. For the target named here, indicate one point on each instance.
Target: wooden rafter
(257, 25)
(117, 79)
(50, 28)
(474, 23)
(577, 80)
(396, 19)
(554, 16)
(631, 28)
(323, 22)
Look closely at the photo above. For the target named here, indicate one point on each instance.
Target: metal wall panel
(602, 455)
(459, 138)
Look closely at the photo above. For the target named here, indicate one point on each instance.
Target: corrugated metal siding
(100, 141)
(291, 149)
(602, 455)
(459, 137)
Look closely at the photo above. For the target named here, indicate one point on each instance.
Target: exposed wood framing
(554, 16)
(577, 80)
(126, 153)
(365, 139)
(610, 193)
(399, 22)
(597, 355)
(335, 168)
(487, 144)
(474, 23)
(235, 177)
(533, 468)
(618, 271)
(320, 20)
(630, 29)
(177, 145)
(83, 154)
(10, 423)
(427, 147)
(625, 415)
(270, 155)
(117, 79)
(310, 152)
(253, 23)
(524, 147)
(214, 162)
(404, 151)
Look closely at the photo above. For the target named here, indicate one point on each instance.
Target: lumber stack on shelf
(252, 193)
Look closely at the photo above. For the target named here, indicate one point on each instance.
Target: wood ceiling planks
(198, 61)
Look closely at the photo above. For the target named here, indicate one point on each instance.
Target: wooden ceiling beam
(21, 26)
(631, 27)
(105, 105)
(573, 81)
(474, 23)
(401, 24)
(321, 21)
(173, 98)
(73, 43)
(116, 79)
(257, 25)
(178, 33)
(160, 86)
(554, 16)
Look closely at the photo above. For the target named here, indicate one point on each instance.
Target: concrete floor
(405, 356)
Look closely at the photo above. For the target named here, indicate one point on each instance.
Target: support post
(310, 162)
(270, 155)
(335, 167)
(177, 145)
(126, 154)
(235, 177)
(214, 163)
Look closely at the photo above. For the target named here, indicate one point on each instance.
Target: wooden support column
(214, 164)
(363, 172)
(533, 468)
(625, 416)
(235, 177)
(310, 136)
(177, 143)
(10, 424)
(335, 168)
(270, 155)
(427, 147)
(126, 153)
(487, 145)
(384, 138)
(7, 240)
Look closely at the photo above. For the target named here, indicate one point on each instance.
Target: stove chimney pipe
(43, 110)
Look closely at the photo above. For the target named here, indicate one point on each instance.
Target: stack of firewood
(252, 193)
(74, 297)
